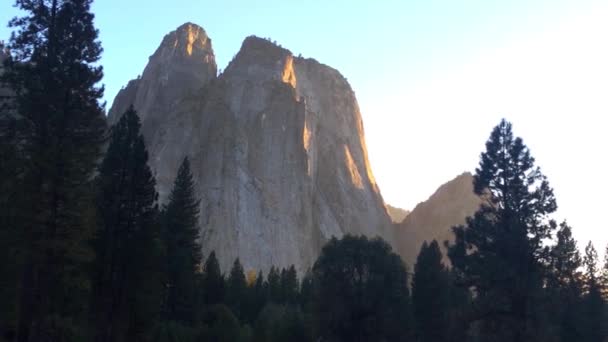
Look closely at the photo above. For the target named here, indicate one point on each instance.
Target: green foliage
(220, 325)
(593, 305)
(289, 286)
(362, 292)
(170, 331)
(213, 284)
(59, 128)
(183, 250)
(430, 295)
(499, 251)
(564, 286)
(127, 278)
(277, 323)
(256, 298)
(236, 290)
(274, 285)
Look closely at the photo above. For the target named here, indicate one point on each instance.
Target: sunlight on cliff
(289, 75)
(355, 176)
(192, 37)
(306, 138)
(368, 167)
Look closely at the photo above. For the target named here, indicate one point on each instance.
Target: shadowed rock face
(433, 219)
(276, 145)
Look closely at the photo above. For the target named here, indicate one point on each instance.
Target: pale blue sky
(431, 77)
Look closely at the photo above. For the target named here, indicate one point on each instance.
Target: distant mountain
(433, 218)
(276, 145)
(397, 214)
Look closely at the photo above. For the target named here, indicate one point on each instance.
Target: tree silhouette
(498, 251)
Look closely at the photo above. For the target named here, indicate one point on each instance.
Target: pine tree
(429, 294)
(499, 250)
(256, 299)
(289, 285)
(236, 289)
(60, 129)
(564, 285)
(213, 285)
(274, 285)
(604, 276)
(127, 288)
(593, 303)
(11, 201)
(183, 250)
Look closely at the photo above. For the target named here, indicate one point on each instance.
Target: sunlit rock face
(434, 218)
(276, 145)
(181, 66)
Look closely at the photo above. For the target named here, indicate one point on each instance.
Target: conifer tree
(499, 250)
(430, 294)
(60, 129)
(183, 250)
(236, 289)
(127, 288)
(213, 285)
(274, 285)
(256, 298)
(289, 285)
(593, 303)
(564, 285)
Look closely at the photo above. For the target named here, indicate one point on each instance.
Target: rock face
(397, 215)
(433, 219)
(276, 146)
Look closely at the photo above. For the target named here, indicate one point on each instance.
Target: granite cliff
(433, 219)
(276, 144)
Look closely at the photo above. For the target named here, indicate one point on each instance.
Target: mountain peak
(262, 59)
(188, 40)
(182, 64)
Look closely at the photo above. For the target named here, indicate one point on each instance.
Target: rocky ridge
(276, 144)
(433, 219)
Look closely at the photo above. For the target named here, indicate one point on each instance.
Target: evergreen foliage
(213, 284)
(181, 239)
(430, 295)
(127, 279)
(87, 255)
(362, 292)
(58, 128)
(499, 251)
(236, 290)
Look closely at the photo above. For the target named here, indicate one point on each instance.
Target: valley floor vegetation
(89, 255)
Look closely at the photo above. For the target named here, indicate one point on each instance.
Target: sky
(432, 79)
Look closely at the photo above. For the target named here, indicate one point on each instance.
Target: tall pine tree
(497, 253)
(430, 294)
(127, 288)
(213, 283)
(60, 129)
(593, 304)
(564, 286)
(236, 290)
(183, 250)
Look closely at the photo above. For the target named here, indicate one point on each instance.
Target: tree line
(88, 254)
